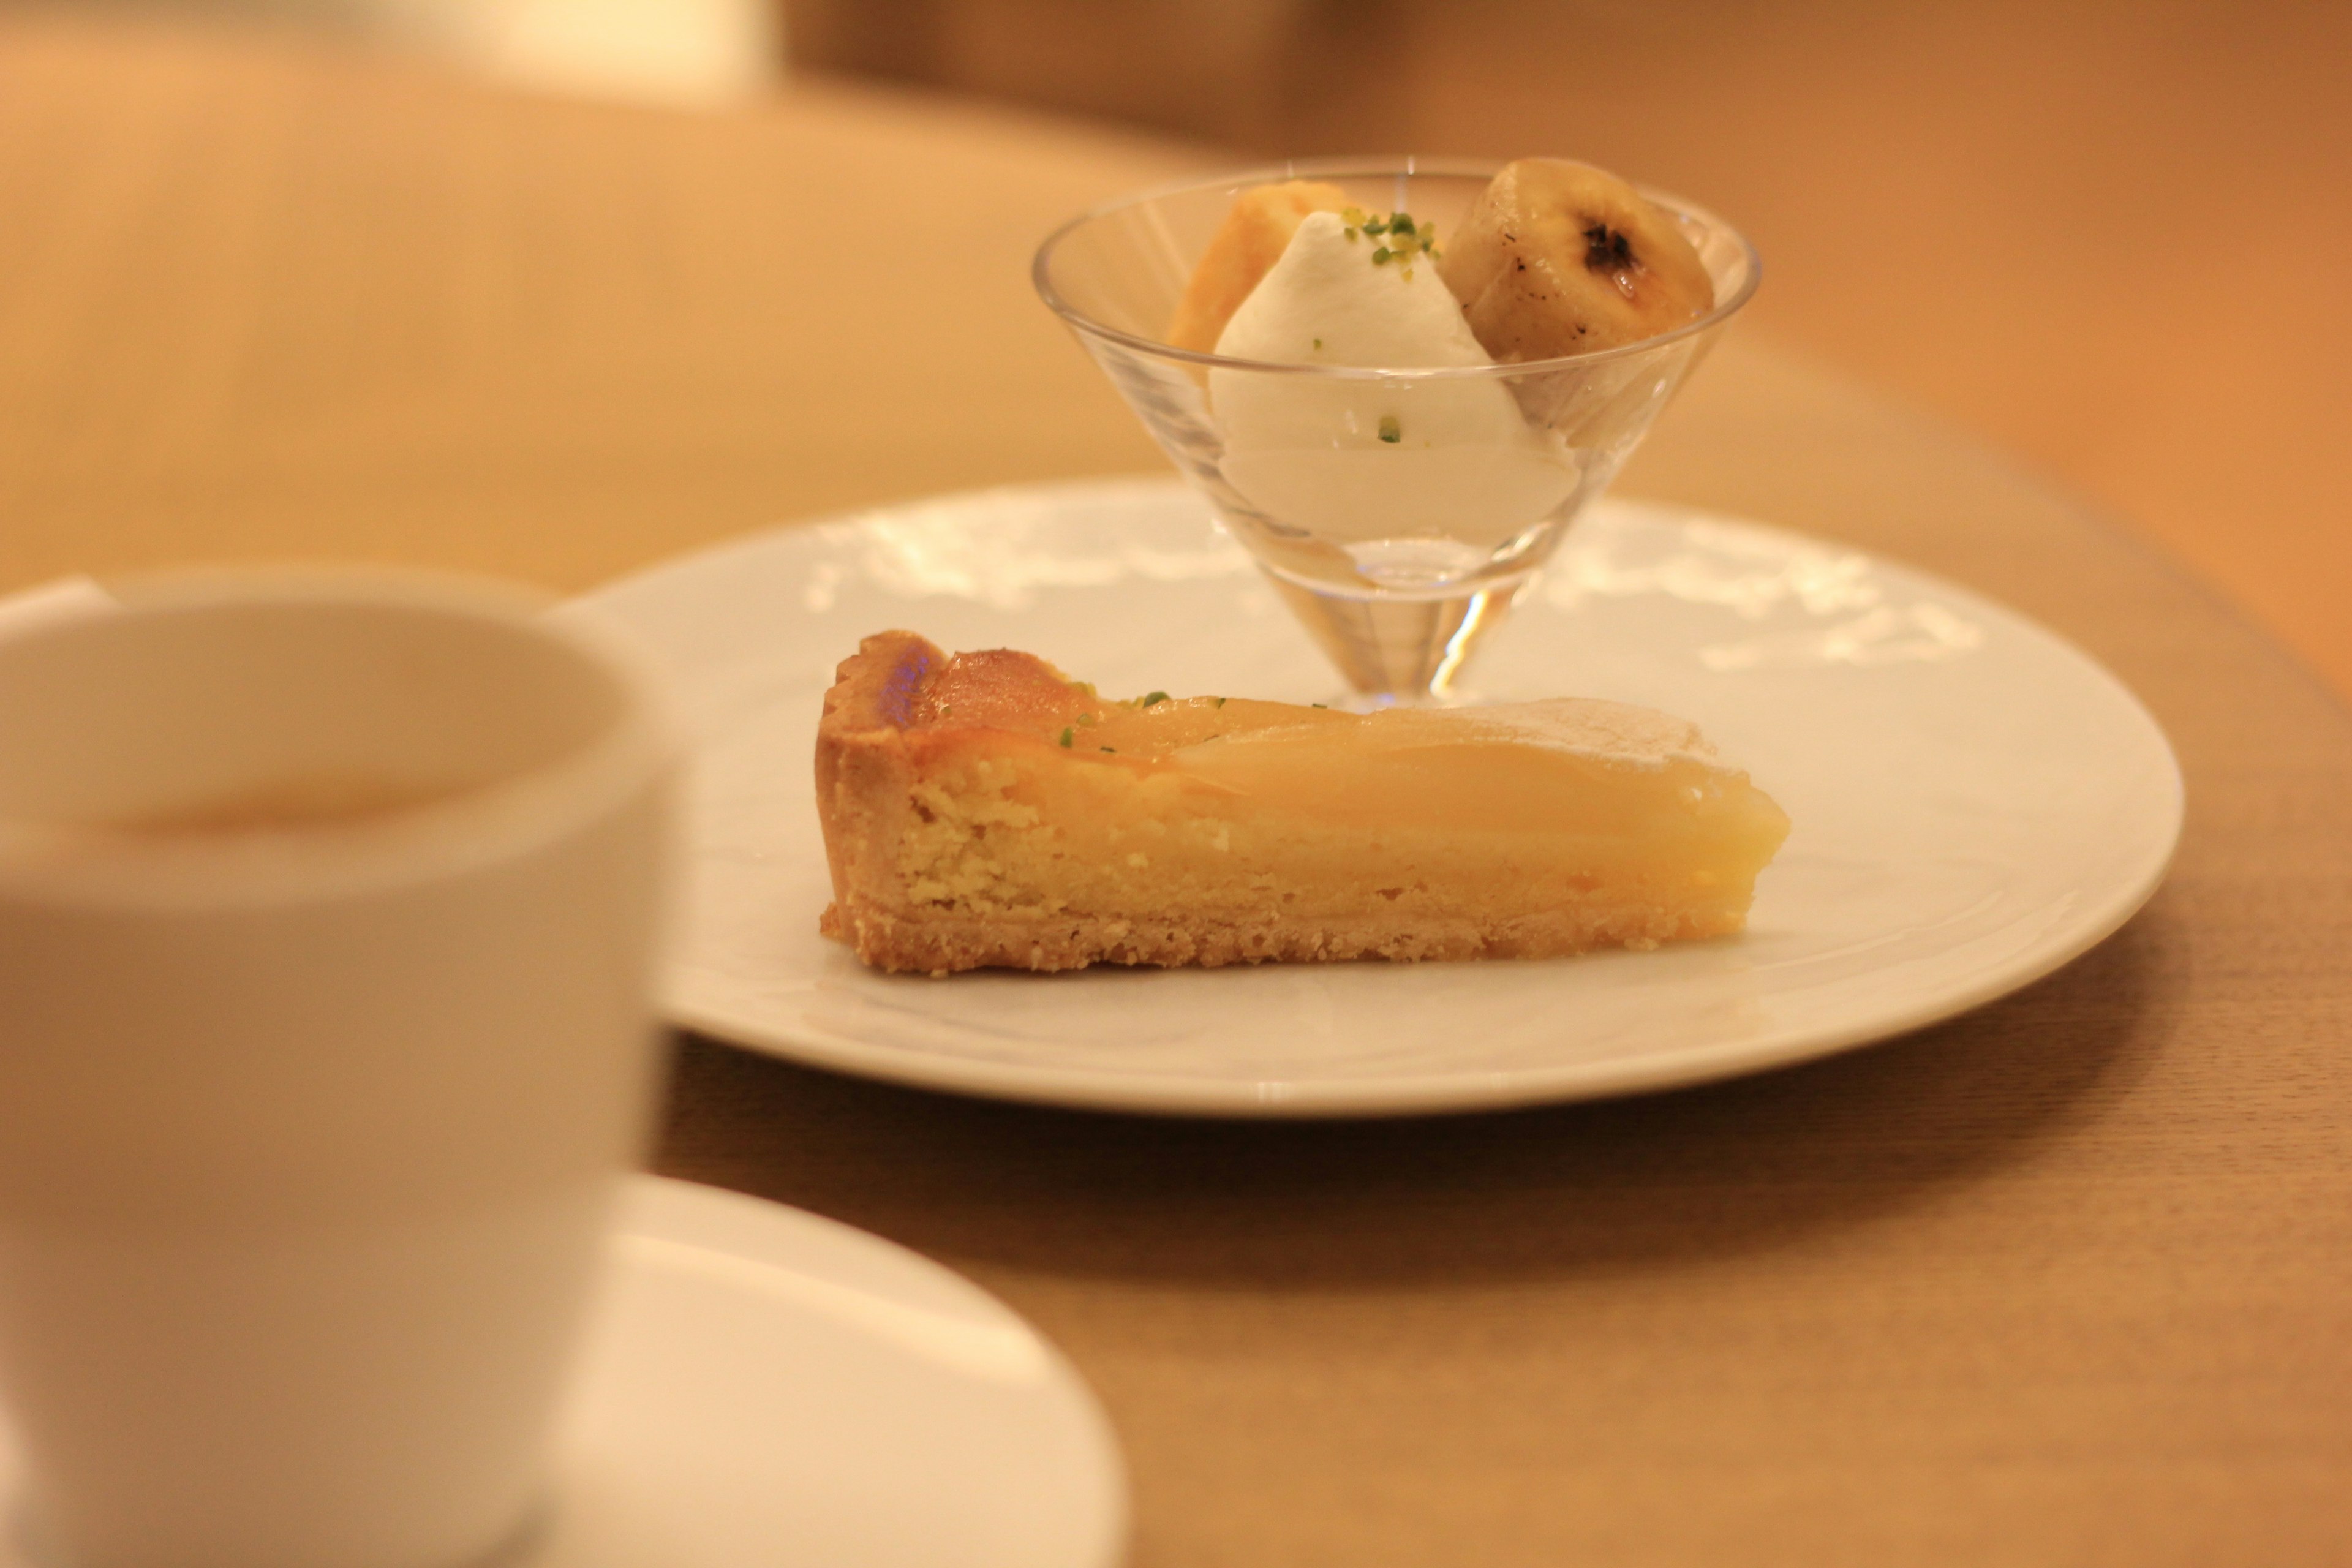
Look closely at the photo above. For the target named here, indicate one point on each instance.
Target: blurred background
(2111, 239)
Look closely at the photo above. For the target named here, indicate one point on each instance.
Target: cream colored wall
(684, 52)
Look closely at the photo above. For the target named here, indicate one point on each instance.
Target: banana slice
(1564, 258)
(1245, 247)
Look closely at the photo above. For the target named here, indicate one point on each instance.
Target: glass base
(1398, 649)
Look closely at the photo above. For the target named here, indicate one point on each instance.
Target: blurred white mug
(328, 910)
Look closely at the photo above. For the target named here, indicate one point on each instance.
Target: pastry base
(936, 942)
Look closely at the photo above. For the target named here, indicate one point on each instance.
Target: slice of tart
(985, 810)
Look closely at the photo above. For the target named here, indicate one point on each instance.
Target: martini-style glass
(1399, 555)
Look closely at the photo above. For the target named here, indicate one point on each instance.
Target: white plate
(767, 1389)
(1975, 803)
(763, 1388)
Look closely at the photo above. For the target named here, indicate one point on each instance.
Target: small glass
(1398, 558)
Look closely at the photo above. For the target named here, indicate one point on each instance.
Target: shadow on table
(1620, 1185)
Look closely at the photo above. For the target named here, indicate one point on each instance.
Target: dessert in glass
(1398, 381)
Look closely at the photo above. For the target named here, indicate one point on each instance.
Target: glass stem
(1400, 650)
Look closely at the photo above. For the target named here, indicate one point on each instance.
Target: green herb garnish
(1112, 749)
(1318, 343)
(1155, 696)
(1391, 431)
(1408, 241)
(1319, 705)
(1221, 703)
(1067, 736)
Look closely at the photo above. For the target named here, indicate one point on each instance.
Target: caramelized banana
(1245, 246)
(1564, 258)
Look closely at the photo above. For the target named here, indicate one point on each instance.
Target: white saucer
(1975, 803)
(766, 1389)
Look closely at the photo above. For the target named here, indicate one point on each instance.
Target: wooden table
(2068, 1280)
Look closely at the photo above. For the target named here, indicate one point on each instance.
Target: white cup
(327, 909)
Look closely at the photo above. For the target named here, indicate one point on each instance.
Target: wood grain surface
(2065, 1281)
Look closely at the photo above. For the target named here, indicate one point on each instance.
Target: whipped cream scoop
(1361, 459)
